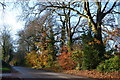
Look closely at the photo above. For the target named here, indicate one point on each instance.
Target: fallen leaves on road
(95, 74)
(90, 74)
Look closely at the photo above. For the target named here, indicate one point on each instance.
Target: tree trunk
(99, 46)
(70, 42)
(63, 34)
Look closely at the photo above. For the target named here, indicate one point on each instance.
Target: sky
(10, 17)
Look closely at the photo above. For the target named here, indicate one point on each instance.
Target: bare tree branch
(105, 6)
(111, 7)
(61, 7)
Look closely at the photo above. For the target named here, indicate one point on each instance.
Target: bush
(32, 59)
(77, 57)
(37, 60)
(90, 58)
(110, 65)
(65, 60)
(93, 52)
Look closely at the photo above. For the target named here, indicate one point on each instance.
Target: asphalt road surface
(33, 74)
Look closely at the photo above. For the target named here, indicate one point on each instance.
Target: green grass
(5, 69)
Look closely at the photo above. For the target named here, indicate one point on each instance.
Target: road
(33, 74)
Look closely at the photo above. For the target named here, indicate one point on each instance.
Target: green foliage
(112, 64)
(91, 55)
(90, 58)
(6, 46)
(77, 57)
(18, 59)
(45, 55)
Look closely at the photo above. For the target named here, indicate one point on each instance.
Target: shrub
(37, 60)
(31, 58)
(90, 58)
(110, 65)
(65, 60)
(77, 57)
(93, 52)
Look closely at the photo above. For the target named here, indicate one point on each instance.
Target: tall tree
(94, 17)
(6, 44)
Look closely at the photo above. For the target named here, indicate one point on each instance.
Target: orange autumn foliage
(65, 60)
(94, 42)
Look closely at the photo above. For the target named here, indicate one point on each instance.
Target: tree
(90, 27)
(3, 5)
(68, 27)
(6, 44)
(95, 19)
(39, 36)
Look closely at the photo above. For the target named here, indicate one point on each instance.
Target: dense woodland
(70, 35)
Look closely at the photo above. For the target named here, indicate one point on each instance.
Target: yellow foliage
(37, 60)
(94, 42)
(91, 43)
(93, 29)
(97, 41)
